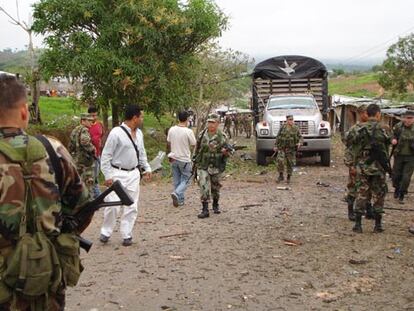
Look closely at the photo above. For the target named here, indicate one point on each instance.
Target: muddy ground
(269, 250)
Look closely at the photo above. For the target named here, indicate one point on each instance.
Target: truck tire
(261, 158)
(326, 158)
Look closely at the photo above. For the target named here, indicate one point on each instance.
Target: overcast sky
(350, 30)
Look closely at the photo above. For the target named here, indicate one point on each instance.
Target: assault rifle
(73, 222)
(378, 154)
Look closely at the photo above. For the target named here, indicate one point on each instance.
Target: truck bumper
(309, 144)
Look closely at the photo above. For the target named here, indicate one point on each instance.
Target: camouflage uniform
(403, 159)
(286, 143)
(84, 154)
(349, 160)
(236, 125)
(227, 126)
(247, 124)
(47, 203)
(371, 176)
(210, 162)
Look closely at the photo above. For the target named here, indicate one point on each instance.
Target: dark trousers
(402, 171)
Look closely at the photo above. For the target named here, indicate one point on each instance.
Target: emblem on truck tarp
(289, 69)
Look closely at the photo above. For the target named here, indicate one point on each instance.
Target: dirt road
(269, 250)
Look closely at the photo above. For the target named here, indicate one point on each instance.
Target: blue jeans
(181, 172)
(96, 191)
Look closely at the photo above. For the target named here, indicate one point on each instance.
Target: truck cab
(315, 131)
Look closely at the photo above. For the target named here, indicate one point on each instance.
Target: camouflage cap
(408, 112)
(213, 117)
(362, 108)
(289, 116)
(86, 116)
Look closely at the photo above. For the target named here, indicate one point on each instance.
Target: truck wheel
(326, 158)
(261, 158)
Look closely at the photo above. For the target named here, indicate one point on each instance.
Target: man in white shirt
(123, 153)
(180, 139)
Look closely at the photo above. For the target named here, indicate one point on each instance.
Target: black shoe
(358, 223)
(369, 214)
(396, 193)
(288, 179)
(174, 198)
(103, 238)
(411, 229)
(280, 178)
(378, 225)
(204, 212)
(127, 242)
(216, 207)
(401, 198)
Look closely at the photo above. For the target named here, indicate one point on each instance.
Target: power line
(374, 50)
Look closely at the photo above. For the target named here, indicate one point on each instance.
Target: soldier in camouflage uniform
(288, 141)
(236, 124)
(247, 124)
(349, 160)
(227, 125)
(83, 150)
(370, 172)
(210, 159)
(26, 168)
(403, 141)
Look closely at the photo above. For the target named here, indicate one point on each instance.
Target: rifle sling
(132, 141)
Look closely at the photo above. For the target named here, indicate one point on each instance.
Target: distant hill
(15, 61)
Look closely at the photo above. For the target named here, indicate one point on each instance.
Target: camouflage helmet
(213, 117)
(408, 113)
(362, 108)
(86, 116)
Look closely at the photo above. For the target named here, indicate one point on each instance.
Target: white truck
(291, 85)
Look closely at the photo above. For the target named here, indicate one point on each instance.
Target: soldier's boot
(378, 223)
(369, 214)
(351, 214)
(401, 198)
(396, 193)
(204, 212)
(216, 207)
(281, 178)
(288, 179)
(358, 223)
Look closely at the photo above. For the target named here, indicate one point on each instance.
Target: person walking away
(180, 139)
(122, 155)
(349, 160)
(227, 125)
(97, 132)
(83, 151)
(288, 141)
(210, 158)
(372, 144)
(39, 185)
(403, 142)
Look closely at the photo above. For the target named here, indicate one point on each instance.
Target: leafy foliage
(398, 69)
(127, 51)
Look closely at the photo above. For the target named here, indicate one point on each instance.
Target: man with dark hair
(180, 139)
(33, 200)
(96, 130)
(123, 154)
(371, 145)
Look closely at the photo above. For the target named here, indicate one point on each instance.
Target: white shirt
(181, 138)
(120, 152)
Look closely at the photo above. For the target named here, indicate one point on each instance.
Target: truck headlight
(264, 132)
(323, 132)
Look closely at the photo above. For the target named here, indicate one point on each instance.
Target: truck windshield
(291, 103)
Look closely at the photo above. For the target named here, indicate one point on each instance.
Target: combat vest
(405, 137)
(37, 263)
(77, 150)
(210, 156)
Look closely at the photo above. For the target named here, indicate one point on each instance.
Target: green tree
(127, 51)
(398, 69)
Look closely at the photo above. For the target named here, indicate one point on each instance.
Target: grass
(360, 85)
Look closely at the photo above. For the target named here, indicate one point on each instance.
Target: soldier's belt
(124, 169)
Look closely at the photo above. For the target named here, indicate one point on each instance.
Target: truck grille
(306, 127)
